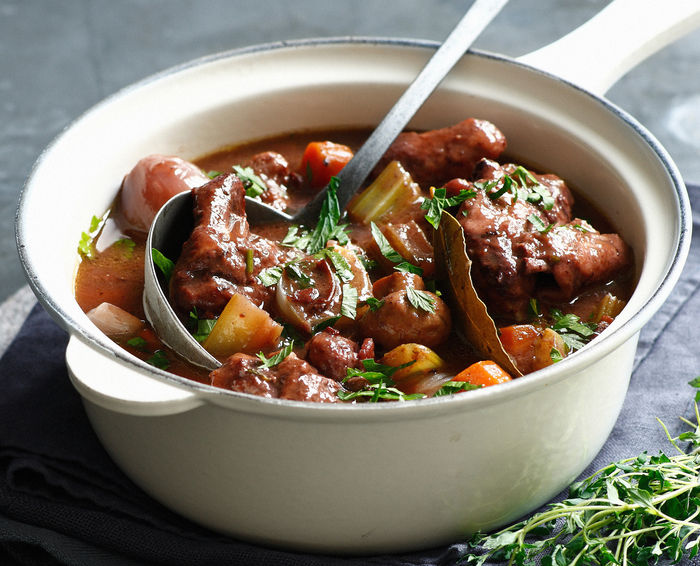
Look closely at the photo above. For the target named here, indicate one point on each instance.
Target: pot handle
(616, 39)
(119, 388)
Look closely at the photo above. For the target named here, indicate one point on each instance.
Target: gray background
(57, 59)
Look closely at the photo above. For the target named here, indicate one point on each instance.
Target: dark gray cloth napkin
(63, 501)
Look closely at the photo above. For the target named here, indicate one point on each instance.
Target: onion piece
(114, 321)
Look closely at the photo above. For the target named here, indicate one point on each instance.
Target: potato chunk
(242, 327)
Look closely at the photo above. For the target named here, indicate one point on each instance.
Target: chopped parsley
(421, 300)
(374, 304)
(296, 239)
(452, 387)
(294, 271)
(249, 261)
(159, 359)
(340, 264)
(270, 276)
(555, 355)
(379, 386)
(165, 265)
(254, 185)
(435, 206)
(200, 327)
(391, 254)
(539, 224)
(272, 361)
(330, 321)
(86, 244)
(127, 246)
(348, 306)
(138, 343)
(576, 334)
(328, 227)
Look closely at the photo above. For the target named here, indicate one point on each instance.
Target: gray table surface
(57, 59)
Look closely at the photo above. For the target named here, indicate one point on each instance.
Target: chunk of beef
(510, 253)
(278, 176)
(243, 373)
(332, 354)
(214, 263)
(436, 156)
(292, 379)
(301, 382)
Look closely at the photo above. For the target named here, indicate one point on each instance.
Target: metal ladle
(169, 228)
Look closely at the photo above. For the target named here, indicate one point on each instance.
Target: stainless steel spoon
(173, 215)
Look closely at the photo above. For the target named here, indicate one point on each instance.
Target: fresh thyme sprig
(632, 512)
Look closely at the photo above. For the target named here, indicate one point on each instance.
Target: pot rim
(481, 398)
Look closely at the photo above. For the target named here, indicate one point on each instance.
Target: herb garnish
(249, 261)
(435, 206)
(270, 276)
(380, 386)
(165, 265)
(633, 512)
(374, 304)
(127, 246)
(421, 300)
(159, 359)
(330, 321)
(452, 387)
(348, 305)
(254, 185)
(539, 224)
(391, 254)
(277, 358)
(200, 327)
(328, 227)
(139, 343)
(86, 244)
(576, 334)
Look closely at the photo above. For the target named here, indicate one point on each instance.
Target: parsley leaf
(254, 185)
(374, 304)
(452, 387)
(575, 333)
(86, 244)
(159, 359)
(277, 358)
(435, 206)
(270, 275)
(379, 386)
(348, 305)
(127, 245)
(421, 300)
(201, 327)
(539, 224)
(391, 254)
(139, 343)
(165, 265)
(330, 321)
(328, 227)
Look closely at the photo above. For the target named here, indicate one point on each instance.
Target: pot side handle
(117, 387)
(595, 55)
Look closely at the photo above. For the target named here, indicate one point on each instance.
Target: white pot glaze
(353, 479)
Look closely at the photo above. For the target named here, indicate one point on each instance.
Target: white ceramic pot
(363, 479)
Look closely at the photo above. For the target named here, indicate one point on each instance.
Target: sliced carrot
(483, 373)
(323, 160)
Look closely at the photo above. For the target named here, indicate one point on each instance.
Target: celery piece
(391, 191)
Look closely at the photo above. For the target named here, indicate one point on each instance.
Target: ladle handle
(452, 49)
(624, 33)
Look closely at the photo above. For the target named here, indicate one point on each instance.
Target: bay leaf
(468, 310)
